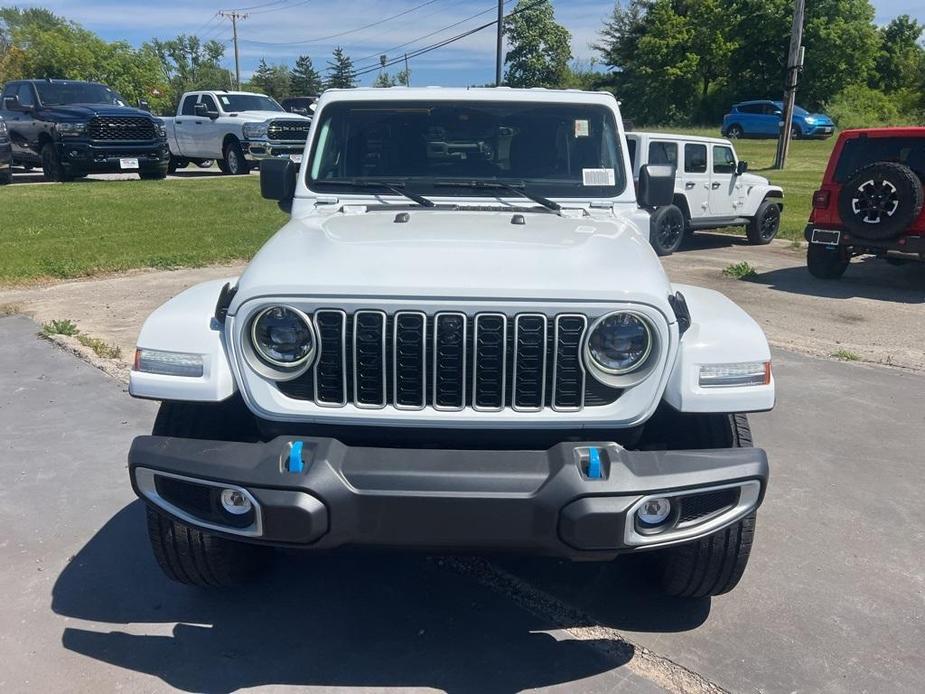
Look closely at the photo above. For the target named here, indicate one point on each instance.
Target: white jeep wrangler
(712, 189)
(461, 340)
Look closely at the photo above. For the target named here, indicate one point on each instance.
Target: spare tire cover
(880, 201)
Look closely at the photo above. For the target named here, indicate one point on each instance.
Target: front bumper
(819, 130)
(93, 157)
(566, 501)
(258, 150)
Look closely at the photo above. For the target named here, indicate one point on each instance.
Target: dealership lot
(834, 599)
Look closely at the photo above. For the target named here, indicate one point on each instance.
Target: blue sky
(273, 26)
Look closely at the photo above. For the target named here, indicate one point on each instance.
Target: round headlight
(620, 343)
(282, 337)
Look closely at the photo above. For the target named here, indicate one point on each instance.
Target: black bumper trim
(532, 501)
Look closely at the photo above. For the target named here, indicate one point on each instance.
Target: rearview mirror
(277, 181)
(656, 185)
(741, 167)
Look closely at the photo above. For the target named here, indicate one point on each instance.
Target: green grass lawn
(90, 227)
(799, 180)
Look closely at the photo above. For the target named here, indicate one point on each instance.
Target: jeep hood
(460, 255)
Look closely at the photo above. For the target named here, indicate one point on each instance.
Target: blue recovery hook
(296, 464)
(595, 469)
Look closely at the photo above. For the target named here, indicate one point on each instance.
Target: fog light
(235, 502)
(654, 511)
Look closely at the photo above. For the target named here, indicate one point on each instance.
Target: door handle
(716, 185)
(689, 185)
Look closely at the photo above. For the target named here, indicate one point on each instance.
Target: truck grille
(288, 130)
(121, 128)
(410, 360)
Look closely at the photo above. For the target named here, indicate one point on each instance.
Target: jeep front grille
(296, 130)
(124, 128)
(448, 360)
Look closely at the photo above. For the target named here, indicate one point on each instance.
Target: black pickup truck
(72, 129)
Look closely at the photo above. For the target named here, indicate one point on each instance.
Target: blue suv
(762, 119)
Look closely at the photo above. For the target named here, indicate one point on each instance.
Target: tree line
(668, 61)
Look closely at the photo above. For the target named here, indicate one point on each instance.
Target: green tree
(340, 71)
(402, 78)
(539, 47)
(304, 79)
(188, 64)
(901, 58)
(272, 80)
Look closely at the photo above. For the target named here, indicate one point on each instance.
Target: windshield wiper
(396, 187)
(518, 188)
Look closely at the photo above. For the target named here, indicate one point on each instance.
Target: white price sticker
(582, 128)
(598, 177)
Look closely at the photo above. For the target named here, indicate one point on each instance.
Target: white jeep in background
(237, 129)
(712, 189)
(461, 340)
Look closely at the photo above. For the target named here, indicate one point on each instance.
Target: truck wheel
(666, 229)
(52, 169)
(5, 178)
(185, 554)
(205, 163)
(735, 132)
(175, 163)
(714, 564)
(235, 163)
(826, 263)
(764, 225)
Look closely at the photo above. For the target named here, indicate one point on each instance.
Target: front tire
(712, 565)
(6, 177)
(827, 263)
(666, 229)
(234, 162)
(186, 554)
(764, 226)
(735, 132)
(52, 169)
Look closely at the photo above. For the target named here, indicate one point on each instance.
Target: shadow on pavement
(867, 278)
(341, 619)
(705, 241)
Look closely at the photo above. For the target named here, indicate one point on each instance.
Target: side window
(631, 148)
(26, 97)
(10, 89)
(189, 106)
(770, 109)
(663, 153)
(209, 102)
(750, 108)
(724, 161)
(695, 158)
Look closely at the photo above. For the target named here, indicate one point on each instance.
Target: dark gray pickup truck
(72, 129)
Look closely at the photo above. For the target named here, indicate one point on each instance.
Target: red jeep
(870, 201)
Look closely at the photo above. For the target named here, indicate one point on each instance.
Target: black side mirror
(656, 185)
(277, 181)
(203, 111)
(144, 105)
(741, 167)
(11, 103)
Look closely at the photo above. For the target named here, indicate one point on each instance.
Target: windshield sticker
(582, 129)
(598, 177)
(224, 100)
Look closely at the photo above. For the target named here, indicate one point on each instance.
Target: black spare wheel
(880, 200)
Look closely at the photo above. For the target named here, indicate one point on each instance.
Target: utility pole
(407, 72)
(234, 16)
(794, 66)
(498, 54)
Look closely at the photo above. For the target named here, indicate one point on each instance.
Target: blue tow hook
(296, 465)
(595, 469)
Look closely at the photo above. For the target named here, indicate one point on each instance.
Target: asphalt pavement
(833, 600)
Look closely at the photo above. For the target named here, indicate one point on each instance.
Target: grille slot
(697, 507)
(409, 362)
(125, 128)
(288, 130)
(450, 361)
(331, 366)
(369, 359)
(568, 381)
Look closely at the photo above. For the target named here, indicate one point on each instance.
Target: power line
(255, 7)
(284, 7)
(317, 39)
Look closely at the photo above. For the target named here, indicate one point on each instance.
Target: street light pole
(794, 65)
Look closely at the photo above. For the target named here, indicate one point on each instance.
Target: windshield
(797, 110)
(64, 93)
(233, 103)
(555, 150)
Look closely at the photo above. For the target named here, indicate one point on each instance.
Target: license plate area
(128, 163)
(826, 237)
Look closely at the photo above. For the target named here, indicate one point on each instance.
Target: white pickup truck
(238, 129)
